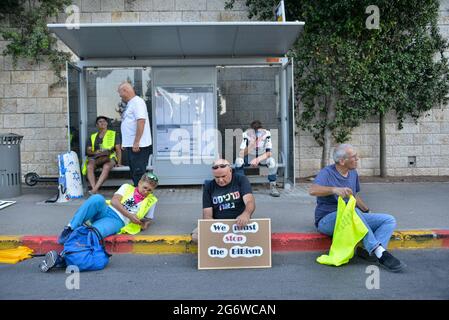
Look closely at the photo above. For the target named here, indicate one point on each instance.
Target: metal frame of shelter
(162, 45)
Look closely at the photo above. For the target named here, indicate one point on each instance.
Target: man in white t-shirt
(136, 132)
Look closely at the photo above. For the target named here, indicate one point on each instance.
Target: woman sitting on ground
(130, 211)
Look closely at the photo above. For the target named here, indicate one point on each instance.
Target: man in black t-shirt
(227, 196)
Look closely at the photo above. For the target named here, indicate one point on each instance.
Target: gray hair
(340, 152)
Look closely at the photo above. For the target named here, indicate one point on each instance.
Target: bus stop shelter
(181, 85)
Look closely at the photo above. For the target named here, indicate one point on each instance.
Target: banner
(223, 245)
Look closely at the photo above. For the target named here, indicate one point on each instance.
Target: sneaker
(273, 190)
(64, 235)
(49, 262)
(362, 253)
(390, 263)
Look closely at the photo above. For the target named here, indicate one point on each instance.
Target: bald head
(126, 91)
(220, 161)
(222, 172)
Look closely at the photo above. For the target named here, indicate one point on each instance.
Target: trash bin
(10, 170)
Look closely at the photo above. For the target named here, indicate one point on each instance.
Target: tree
(28, 34)
(348, 68)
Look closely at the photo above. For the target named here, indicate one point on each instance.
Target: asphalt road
(293, 276)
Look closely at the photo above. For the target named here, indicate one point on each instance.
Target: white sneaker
(49, 261)
(273, 190)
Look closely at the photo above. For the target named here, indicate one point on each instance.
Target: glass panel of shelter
(103, 98)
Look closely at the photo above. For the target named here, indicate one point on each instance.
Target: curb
(177, 244)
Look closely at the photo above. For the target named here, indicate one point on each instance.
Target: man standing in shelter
(136, 132)
(341, 179)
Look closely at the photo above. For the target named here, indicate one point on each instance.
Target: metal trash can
(10, 165)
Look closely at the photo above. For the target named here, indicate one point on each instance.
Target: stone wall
(30, 106)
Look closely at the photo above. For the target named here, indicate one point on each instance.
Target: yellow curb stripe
(415, 239)
(169, 244)
(10, 242)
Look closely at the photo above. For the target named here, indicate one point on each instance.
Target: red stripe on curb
(41, 244)
(299, 242)
(444, 235)
(279, 242)
(119, 243)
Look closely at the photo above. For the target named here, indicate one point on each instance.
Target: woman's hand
(135, 220)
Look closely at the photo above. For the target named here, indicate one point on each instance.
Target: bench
(255, 175)
(126, 168)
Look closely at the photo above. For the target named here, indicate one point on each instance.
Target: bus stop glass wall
(104, 100)
(246, 94)
(186, 109)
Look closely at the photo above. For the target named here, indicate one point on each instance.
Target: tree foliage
(27, 32)
(346, 72)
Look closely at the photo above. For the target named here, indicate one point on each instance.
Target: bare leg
(104, 175)
(90, 173)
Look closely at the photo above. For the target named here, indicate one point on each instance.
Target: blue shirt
(330, 177)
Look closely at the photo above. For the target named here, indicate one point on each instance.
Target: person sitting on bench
(255, 150)
(103, 150)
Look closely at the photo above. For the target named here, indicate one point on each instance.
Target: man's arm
(139, 133)
(255, 162)
(250, 207)
(208, 214)
(361, 204)
(322, 191)
(118, 152)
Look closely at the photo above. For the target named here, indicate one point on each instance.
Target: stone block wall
(30, 106)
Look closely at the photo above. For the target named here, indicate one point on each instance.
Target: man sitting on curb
(341, 179)
(227, 196)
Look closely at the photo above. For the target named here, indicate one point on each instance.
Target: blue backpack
(85, 249)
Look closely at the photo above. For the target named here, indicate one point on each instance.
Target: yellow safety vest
(108, 144)
(348, 231)
(147, 203)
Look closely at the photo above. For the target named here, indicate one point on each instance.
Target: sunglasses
(220, 166)
(152, 177)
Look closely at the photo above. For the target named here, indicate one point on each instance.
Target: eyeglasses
(220, 166)
(152, 177)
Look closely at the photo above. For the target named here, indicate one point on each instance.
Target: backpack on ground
(85, 249)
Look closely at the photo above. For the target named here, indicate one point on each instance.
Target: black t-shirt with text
(226, 202)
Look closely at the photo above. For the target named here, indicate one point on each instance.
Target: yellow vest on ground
(15, 255)
(147, 203)
(349, 230)
(108, 144)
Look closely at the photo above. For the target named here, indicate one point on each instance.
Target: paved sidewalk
(421, 209)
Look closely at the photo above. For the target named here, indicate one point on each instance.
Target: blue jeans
(100, 215)
(272, 172)
(380, 228)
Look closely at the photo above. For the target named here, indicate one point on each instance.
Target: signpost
(223, 245)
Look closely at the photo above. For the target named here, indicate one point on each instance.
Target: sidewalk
(421, 211)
